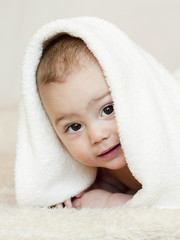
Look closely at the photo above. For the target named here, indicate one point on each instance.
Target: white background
(152, 24)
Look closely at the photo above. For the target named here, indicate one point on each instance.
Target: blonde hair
(61, 55)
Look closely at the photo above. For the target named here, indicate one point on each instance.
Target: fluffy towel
(147, 105)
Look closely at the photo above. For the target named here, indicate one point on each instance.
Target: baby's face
(82, 114)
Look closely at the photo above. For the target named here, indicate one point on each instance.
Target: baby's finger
(59, 205)
(77, 203)
(68, 203)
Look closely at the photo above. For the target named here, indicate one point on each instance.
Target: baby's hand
(101, 198)
(68, 203)
(92, 199)
(96, 198)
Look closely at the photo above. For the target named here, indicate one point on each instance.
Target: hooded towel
(147, 106)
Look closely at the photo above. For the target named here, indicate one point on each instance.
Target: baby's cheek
(81, 153)
(85, 159)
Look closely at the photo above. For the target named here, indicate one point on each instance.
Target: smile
(110, 153)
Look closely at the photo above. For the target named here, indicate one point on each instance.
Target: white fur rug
(105, 224)
(95, 224)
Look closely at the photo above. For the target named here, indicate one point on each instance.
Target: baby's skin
(100, 198)
(104, 193)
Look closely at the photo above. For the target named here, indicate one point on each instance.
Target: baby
(77, 100)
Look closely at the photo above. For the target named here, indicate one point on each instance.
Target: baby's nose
(98, 133)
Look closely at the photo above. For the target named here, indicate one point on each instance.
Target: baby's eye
(107, 110)
(73, 127)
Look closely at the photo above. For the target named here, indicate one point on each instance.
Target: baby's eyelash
(74, 127)
(67, 127)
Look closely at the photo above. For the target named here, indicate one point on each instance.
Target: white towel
(147, 105)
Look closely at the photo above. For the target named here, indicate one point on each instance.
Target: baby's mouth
(111, 152)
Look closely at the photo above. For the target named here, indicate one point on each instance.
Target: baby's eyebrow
(94, 99)
(63, 117)
(99, 97)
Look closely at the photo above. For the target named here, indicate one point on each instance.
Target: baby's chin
(116, 164)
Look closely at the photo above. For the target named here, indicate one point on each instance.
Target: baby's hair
(61, 55)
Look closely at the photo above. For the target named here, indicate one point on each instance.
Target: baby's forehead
(61, 67)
